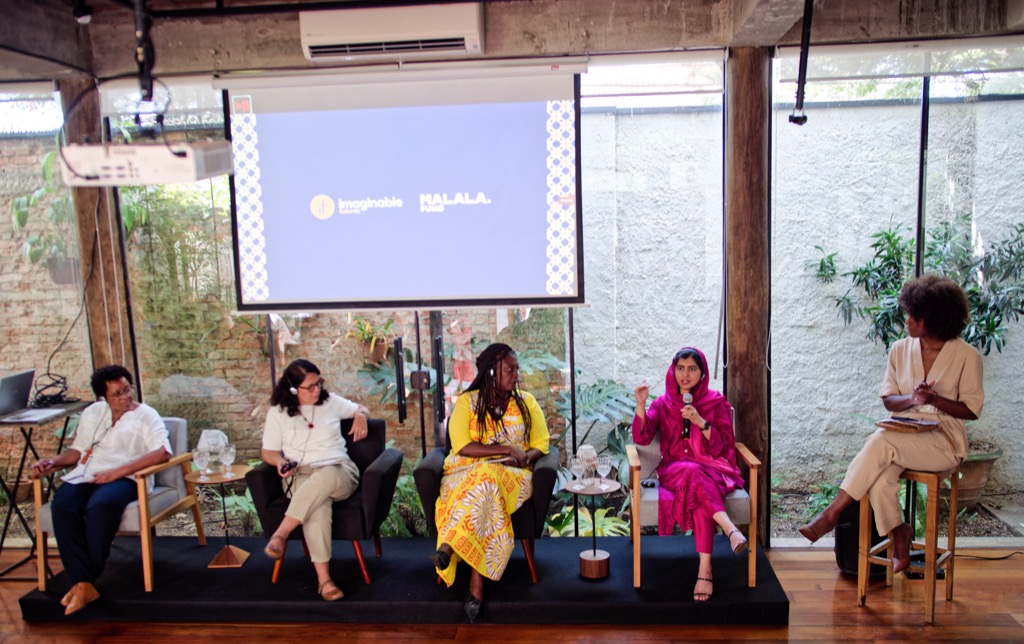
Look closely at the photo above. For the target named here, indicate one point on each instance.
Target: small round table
(229, 556)
(594, 563)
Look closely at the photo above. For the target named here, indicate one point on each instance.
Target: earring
(491, 372)
(293, 391)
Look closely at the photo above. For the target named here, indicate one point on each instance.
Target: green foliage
(55, 199)
(563, 523)
(406, 517)
(379, 379)
(993, 280)
(825, 268)
(180, 263)
(241, 509)
(820, 498)
(367, 333)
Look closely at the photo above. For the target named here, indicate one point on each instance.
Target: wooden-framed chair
(353, 519)
(935, 558)
(171, 494)
(527, 522)
(741, 505)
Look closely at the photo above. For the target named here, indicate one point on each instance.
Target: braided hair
(486, 384)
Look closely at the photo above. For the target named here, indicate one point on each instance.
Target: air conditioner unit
(393, 33)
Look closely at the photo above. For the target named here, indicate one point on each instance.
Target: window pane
(846, 176)
(975, 202)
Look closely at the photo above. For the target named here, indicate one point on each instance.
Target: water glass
(578, 468)
(604, 468)
(201, 458)
(227, 457)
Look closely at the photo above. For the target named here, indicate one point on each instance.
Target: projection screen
(407, 189)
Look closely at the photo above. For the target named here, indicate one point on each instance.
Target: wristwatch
(707, 425)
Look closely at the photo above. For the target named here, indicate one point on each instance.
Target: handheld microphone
(687, 400)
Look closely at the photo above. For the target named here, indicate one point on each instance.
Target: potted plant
(375, 339)
(49, 247)
(974, 473)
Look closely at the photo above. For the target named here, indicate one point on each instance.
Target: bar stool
(935, 558)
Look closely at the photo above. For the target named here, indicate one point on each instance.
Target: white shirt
(136, 433)
(292, 435)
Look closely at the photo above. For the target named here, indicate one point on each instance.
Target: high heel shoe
(472, 606)
(901, 537)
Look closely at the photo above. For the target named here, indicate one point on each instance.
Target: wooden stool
(935, 557)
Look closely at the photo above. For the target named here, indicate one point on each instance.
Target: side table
(594, 563)
(229, 556)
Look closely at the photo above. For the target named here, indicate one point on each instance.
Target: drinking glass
(227, 457)
(589, 456)
(201, 458)
(604, 468)
(578, 468)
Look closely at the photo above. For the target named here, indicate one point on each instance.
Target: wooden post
(747, 245)
(98, 238)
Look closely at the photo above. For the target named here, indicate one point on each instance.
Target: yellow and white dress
(479, 495)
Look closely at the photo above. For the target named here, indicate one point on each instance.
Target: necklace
(312, 415)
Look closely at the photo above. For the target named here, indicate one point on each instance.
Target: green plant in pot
(375, 339)
(993, 281)
(49, 246)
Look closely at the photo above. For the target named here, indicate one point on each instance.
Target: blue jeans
(85, 520)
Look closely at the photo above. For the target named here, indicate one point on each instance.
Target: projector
(144, 164)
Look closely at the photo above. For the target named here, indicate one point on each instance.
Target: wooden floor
(988, 606)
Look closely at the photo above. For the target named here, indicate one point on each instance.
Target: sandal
(329, 591)
(700, 597)
(739, 546)
(275, 547)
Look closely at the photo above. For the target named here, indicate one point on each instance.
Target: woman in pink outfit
(698, 463)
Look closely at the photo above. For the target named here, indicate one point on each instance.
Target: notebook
(14, 394)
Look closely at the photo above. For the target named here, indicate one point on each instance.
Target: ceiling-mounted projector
(144, 163)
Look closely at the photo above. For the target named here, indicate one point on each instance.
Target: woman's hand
(689, 412)
(641, 392)
(518, 457)
(923, 394)
(41, 468)
(107, 476)
(359, 426)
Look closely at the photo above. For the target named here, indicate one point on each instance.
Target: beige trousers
(313, 492)
(876, 469)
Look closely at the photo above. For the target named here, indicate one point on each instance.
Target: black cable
(1014, 553)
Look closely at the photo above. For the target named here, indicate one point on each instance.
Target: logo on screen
(438, 201)
(321, 206)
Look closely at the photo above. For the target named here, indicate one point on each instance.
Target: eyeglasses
(127, 391)
(319, 384)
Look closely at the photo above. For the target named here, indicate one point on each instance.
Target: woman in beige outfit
(934, 375)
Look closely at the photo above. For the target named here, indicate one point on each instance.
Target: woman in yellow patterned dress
(497, 433)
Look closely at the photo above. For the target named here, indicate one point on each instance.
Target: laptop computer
(14, 393)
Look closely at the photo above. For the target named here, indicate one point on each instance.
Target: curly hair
(939, 303)
(486, 383)
(292, 377)
(104, 375)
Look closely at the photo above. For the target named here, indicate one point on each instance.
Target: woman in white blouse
(116, 437)
(302, 439)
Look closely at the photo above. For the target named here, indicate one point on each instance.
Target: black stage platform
(404, 588)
